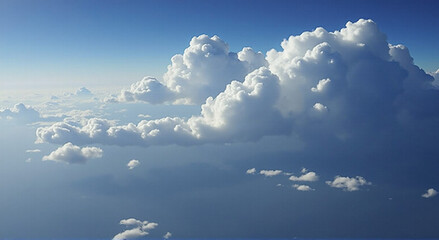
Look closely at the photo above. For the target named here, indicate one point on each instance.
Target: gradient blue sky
(70, 43)
(358, 108)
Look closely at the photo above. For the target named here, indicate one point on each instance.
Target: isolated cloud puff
(139, 229)
(133, 163)
(270, 173)
(430, 193)
(306, 177)
(347, 183)
(167, 235)
(304, 188)
(251, 171)
(203, 70)
(342, 84)
(69, 153)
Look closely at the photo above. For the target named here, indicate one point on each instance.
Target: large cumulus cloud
(341, 84)
(203, 70)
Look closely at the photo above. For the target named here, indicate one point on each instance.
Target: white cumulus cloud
(352, 79)
(430, 193)
(133, 163)
(139, 229)
(167, 235)
(251, 171)
(69, 153)
(203, 70)
(304, 188)
(348, 183)
(306, 177)
(270, 173)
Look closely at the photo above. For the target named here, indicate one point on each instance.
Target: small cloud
(430, 193)
(70, 153)
(28, 160)
(304, 170)
(279, 185)
(321, 86)
(167, 235)
(33, 151)
(140, 229)
(144, 116)
(320, 107)
(251, 171)
(270, 173)
(133, 163)
(308, 177)
(347, 183)
(304, 188)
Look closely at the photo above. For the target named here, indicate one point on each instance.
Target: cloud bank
(343, 85)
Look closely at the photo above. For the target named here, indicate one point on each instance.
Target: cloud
(144, 116)
(20, 113)
(133, 163)
(139, 229)
(83, 92)
(33, 150)
(203, 70)
(430, 193)
(347, 183)
(436, 78)
(270, 173)
(307, 177)
(230, 117)
(167, 235)
(339, 85)
(251, 171)
(69, 153)
(304, 188)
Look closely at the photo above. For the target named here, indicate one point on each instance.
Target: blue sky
(131, 120)
(76, 42)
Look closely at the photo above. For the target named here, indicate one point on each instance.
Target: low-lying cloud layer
(342, 85)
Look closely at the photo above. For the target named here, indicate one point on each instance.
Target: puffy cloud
(70, 153)
(342, 84)
(133, 163)
(203, 70)
(307, 177)
(430, 193)
(347, 183)
(167, 235)
(251, 171)
(229, 117)
(140, 229)
(20, 113)
(304, 188)
(270, 173)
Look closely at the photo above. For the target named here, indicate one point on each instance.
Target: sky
(219, 119)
